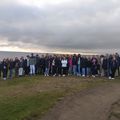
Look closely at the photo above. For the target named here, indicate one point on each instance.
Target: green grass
(29, 98)
(33, 106)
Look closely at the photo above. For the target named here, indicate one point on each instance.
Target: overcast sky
(60, 25)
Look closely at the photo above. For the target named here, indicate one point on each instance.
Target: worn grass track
(29, 98)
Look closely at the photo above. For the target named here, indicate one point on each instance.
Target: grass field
(29, 98)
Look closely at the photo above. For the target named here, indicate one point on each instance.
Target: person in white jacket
(64, 62)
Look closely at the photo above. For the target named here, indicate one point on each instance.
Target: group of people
(61, 65)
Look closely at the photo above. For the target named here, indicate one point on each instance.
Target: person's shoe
(54, 75)
(110, 78)
(4, 78)
(45, 75)
(63, 75)
(93, 76)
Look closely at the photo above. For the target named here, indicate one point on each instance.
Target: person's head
(37, 55)
(28, 56)
(79, 55)
(32, 54)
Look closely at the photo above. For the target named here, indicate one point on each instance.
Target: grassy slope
(29, 98)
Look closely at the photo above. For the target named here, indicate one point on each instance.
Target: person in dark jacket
(37, 66)
(27, 65)
(59, 66)
(89, 65)
(74, 64)
(105, 66)
(94, 67)
(11, 68)
(16, 64)
(54, 71)
(113, 67)
(118, 64)
(4, 69)
(47, 66)
(84, 65)
(0, 68)
(42, 65)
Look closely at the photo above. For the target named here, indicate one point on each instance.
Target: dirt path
(93, 104)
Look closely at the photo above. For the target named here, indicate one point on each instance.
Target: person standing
(113, 65)
(11, 67)
(21, 66)
(74, 63)
(0, 68)
(94, 67)
(105, 66)
(84, 65)
(70, 71)
(64, 66)
(47, 66)
(16, 63)
(54, 71)
(4, 69)
(32, 62)
(59, 66)
(118, 64)
(79, 65)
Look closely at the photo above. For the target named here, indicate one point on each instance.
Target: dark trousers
(54, 70)
(64, 70)
(59, 70)
(27, 70)
(94, 70)
(41, 69)
(113, 70)
(0, 73)
(16, 71)
(4, 73)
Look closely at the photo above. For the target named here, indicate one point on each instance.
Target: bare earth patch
(115, 111)
(92, 104)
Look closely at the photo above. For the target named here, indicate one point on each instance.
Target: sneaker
(4, 78)
(45, 75)
(110, 78)
(59, 75)
(93, 76)
(54, 75)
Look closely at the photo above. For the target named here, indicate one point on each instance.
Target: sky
(60, 25)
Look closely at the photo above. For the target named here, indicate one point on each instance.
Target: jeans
(74, 69)
(83, 71)
(88, 71)
(32, 69)
(20, 71)
(10, 73)
(79, 70)
(46, 71)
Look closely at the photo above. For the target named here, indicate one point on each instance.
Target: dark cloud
(73, 25)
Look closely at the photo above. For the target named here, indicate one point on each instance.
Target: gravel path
(92, 104)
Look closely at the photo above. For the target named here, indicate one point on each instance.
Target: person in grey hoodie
(32, 62)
